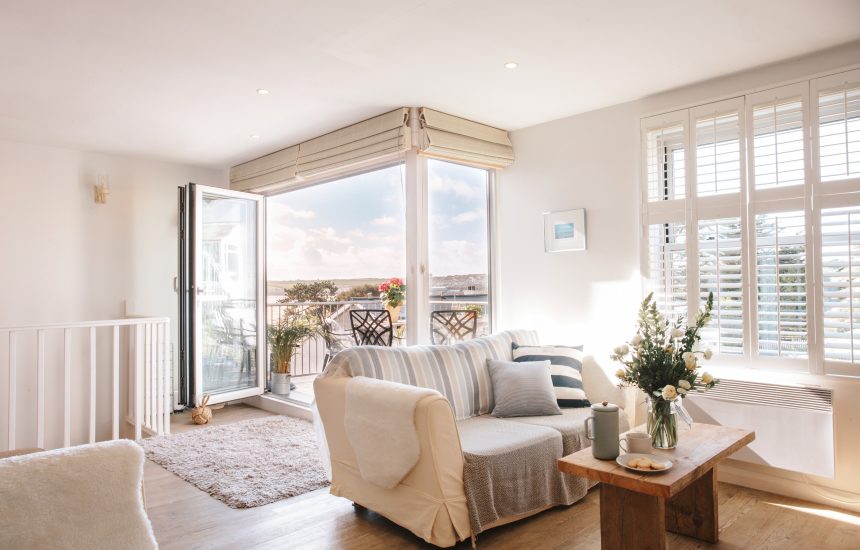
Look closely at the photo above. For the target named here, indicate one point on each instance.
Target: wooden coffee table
(637, 509)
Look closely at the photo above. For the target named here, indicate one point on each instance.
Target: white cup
(636, 442)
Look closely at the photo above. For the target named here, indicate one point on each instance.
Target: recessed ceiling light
(511, 65)
(262, 91)
(255, 136)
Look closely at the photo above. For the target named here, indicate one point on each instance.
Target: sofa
(474, 471)
(89, 496)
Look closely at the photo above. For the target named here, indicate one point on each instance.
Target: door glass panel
(227, 293)
(458, 244)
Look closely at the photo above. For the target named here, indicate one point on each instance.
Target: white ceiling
(176, 79)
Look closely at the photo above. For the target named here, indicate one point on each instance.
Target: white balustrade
(147, 378)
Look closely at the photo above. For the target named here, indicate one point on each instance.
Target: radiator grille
(773, 395)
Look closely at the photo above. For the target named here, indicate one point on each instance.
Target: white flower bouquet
(663, 361)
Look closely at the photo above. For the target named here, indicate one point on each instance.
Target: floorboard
(187, 518)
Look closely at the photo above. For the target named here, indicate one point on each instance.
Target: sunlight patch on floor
(835, 515)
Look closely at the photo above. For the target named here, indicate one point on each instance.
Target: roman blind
(720, 272)
(372, 138)
(839, 129)
(840, 281)
(454, 138)
(780, 250)
(377, 136)
(275, 168)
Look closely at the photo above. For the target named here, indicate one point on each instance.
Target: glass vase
(662, 423)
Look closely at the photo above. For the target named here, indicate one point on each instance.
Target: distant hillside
(452, 283)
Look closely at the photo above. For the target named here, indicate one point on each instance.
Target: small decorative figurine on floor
(202, 414)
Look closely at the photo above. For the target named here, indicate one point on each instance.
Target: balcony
(313, 353)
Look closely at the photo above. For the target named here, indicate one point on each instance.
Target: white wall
(591, 161)
(66, 258)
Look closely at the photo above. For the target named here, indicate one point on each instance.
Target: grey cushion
(522, 389)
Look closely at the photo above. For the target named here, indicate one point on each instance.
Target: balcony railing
(310, 357)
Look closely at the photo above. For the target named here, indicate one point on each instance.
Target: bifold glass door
(226, 294)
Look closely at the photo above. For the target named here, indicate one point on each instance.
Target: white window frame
(810, 197)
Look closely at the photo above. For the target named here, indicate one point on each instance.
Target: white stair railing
(146, 374)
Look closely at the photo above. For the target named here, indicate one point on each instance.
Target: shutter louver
(840, 282)
(778, 143)
(781, 284)
(718, 158)
(665, 163)
(668, 267)
(839, 133)
(720, 272)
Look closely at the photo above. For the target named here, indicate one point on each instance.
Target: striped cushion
(441, 368)
(566, 368)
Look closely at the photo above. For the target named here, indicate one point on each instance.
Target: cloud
(467, 216)
(447, 184)
(384, 220)
(282, 212)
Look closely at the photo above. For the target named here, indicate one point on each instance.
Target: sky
(354, 227)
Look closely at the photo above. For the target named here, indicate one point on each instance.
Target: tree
(314, 291)
(360, 291)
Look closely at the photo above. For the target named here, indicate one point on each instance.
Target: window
(840, 281)
(720, 272)
(458, 239)
(781, 307)
(771, 205)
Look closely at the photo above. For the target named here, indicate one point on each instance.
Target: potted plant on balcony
(285, 337)
(393, 293)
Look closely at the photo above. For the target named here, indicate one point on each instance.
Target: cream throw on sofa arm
(81, 497)
(380, 427)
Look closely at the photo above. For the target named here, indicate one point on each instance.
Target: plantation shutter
(840, 282)
(718, 153)
(720, 272)
(781, 304)
(667, 278)
(454, 138)
(665, 162)
(778, 138)
(839, 126)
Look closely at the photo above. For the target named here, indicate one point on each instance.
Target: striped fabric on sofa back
(458, 372)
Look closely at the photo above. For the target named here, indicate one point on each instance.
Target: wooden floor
(185, 517)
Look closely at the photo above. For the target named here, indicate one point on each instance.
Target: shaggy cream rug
(245, 464)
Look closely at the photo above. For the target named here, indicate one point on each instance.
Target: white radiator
(793, 424)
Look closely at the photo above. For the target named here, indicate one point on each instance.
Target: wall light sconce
(102, 188)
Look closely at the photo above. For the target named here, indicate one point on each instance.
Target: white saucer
(623, 460)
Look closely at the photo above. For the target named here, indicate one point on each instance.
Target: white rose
(682, 391)
(707, 378)
(621, 350)
(683, 384)
(669, 393)
(689, 360)
(621, 373)
(708, 354)
(636, 340)
(677, 333)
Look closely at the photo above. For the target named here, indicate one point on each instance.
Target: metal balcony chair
(371, 327)
(447, 327)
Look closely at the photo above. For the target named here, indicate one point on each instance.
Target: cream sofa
(438, 498)
(89, 496)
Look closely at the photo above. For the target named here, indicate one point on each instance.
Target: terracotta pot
(394, 312)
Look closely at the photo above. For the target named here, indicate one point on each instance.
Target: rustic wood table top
(698, 450)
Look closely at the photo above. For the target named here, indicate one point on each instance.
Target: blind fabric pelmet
(441, 135)
(456, 138)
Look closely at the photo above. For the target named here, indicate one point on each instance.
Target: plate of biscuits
(644, 463)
